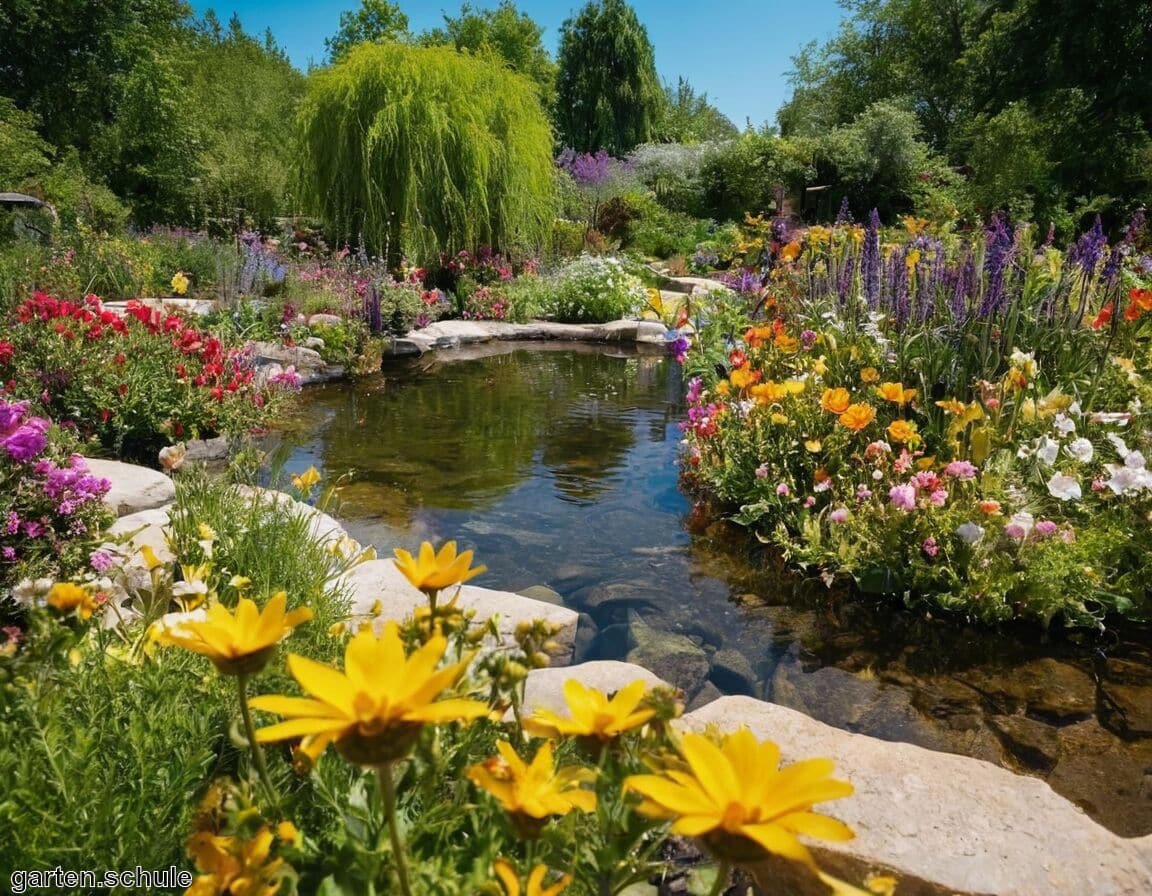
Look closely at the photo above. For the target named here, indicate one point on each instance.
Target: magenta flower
(101, 561)
(27, 441)
(1045, 529)
(903, 497)
(929, 547)
(839, 515)
(783, 490)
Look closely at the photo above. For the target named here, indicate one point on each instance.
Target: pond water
(557, 464)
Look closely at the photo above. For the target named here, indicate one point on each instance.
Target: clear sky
(737, 51)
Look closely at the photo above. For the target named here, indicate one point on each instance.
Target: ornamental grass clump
(961, 424)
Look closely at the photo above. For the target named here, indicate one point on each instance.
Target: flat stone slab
(134, 488)
(150, 524)
(456, 333)
(961, 823)
(380, 580)
(544, 688)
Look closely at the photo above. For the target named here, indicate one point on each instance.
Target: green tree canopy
(242, 94)
(690, 118)
(23, 155)
(608, 95)
(419, 150)
(509, 34)
(376, 21)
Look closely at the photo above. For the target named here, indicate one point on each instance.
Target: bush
(130, 384)
(661, 233)
(51, 508)
(594, 289)
(674, 172)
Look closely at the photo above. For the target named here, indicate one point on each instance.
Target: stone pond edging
(944, 824)
(455, 333)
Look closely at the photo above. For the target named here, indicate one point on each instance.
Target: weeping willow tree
(423, 149)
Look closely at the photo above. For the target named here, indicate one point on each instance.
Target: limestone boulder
(146, 528)
(545, 687)
(134, 488)
(962, 824)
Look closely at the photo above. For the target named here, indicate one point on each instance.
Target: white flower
(1063, 425)
(1127, 480)
(970, 533)
(1020, 525)
(173, 623)
(1080, 449)
(1047, 450)
(1064, 487)
(1120, 445)
(1135, 460)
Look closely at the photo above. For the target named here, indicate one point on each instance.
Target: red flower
(7, 350)
(217, 392)
(122, 388)
(181, 371)
(120, 358)
(105, 415)
(1103, 317)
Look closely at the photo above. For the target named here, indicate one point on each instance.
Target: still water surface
(557, 464)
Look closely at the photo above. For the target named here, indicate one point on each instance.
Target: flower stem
(250, 733)
(721, 878)
(388, 792)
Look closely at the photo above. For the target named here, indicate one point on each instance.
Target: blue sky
(737, 51)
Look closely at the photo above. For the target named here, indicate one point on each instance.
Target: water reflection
(558, 466)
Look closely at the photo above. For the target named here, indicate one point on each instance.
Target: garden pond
(558, 465)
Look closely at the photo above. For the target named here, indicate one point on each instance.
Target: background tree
(690, 118)
(509, 34)
(242, 94)
(24, 157)
(419, 150)
(376, 21)
(608, 94)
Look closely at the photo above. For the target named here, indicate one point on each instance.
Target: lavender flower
(844, 216)
(997, 256)
(1088, 249)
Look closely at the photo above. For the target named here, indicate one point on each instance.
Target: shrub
(50, 505)
(130, 384)
(674, 172)
(594, 289)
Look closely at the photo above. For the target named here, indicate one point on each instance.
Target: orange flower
(991, 508)
(723, 387)
(1132, 312)
(790, 252)
(787, 344)
(895, 392)
(835, 401)
(904, 432)
(742, 377)
(1103, 317)
(857, 416)
(952, 406)
(768, 392)
(1142, 298)
(869, 375)
(756, 336)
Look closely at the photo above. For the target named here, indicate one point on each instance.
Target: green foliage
(743, 175)
(608, 94)
(242, 96)
(376, 21)
(660, 232)
(876, 160)
(690, 118)
(1047, 101)
(425, 150)
(508, 34)
(23, 155)
(674, 172)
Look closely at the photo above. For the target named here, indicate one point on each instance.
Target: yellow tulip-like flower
(593, 715)
(531, 793)
(742, 378)
(431, 571)
(180, 283)
(952, 406)
(306, 480)
(151, 561)
(66, 597)
(739, 802)
(857, 416)
(375, 709)
(769, 392)
(235, 866)
(835, 401)
(510, 880)
(895, 392)
(239, 644)
(869, 375)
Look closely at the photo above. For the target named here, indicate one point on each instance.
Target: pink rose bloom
(929, 547)
(903, 496)
(839, 515)
(809, 501)
(783, 490)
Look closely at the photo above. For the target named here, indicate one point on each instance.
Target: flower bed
(129, 384)
(962, 423)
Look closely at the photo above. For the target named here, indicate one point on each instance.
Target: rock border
(451, 334)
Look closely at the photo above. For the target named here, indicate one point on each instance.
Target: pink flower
(762, 471)
(961, 469)
(809, 501)
(1045, 529)
(863, 493)
(839, 515)
(903, 462)
(929, 547)
(875, 449)
(903, 497)
(783, 490)
(938, 497)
